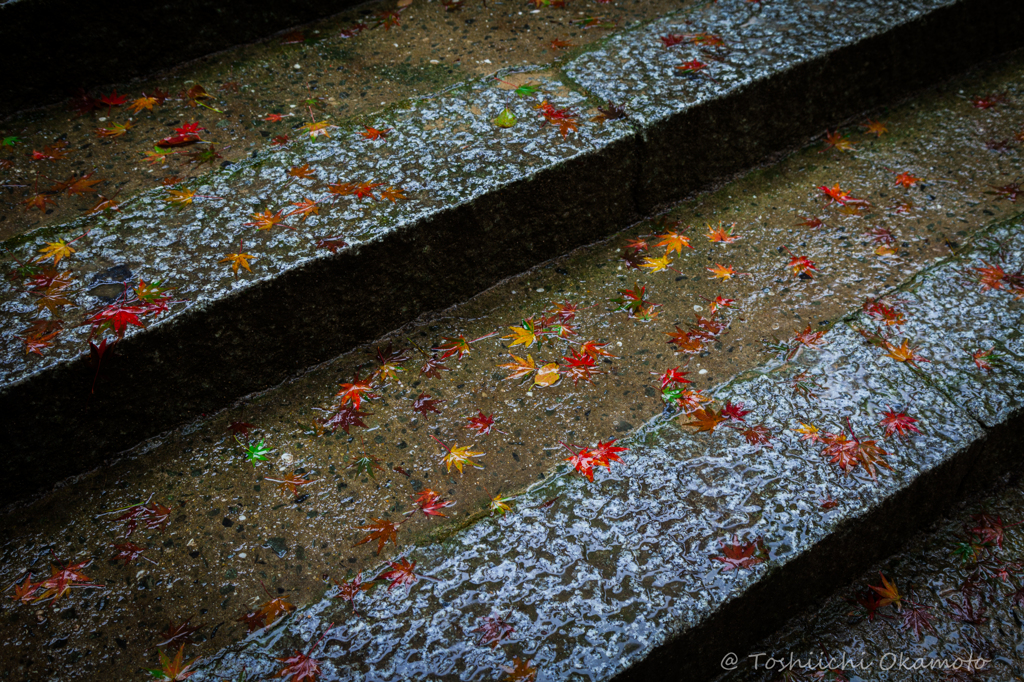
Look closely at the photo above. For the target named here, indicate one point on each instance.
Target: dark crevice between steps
(49, 48)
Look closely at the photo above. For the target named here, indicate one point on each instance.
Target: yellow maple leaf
(55, 250)
(522, 335)
(461, 455)
(179, 197)
(547, 375)
(656, 264)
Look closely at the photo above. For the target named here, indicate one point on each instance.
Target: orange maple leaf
(304, 172)
(381, 530)
(722, 272)
(304, 209)
(705, 419)
(875, 128)
(673, 241)
(720, 234)
(906, 180)
(374, 134)
(267, 220)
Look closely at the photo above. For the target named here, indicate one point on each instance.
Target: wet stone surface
(440, 152)
(596, 579)
(975, 353)
(231, 518)
(950, 583)
(733, 43)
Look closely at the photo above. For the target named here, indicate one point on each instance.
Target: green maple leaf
(9, 141)
(526, 90)
(257, 452)
(506, 119)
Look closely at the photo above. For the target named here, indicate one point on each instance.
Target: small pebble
(241, 555)
(297, 66)
(703, 371)
(698, 308)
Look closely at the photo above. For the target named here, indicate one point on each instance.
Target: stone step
(707, 538)
(112, 42)
(483, 203)
(938, 182)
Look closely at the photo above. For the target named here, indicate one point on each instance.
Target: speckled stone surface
(613, 571)
(951, 315)
(484, 203)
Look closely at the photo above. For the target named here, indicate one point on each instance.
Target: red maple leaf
(691, 67)
(353, 391)
(433, 366)
(898, 423)
(580, 367)
(430, 503)
(153, 516)
(127, 552)
(481, 423)
(736, 555)
(734, 411)
(62, 579)
(114, 99)
(403, 572)
(757, 435)
(672, 376)
(299, 667)
(344, 417)
(917, 619)
(493, 630)
(424, 403)
(350, 589)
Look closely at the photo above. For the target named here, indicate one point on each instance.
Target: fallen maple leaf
(481, 423)
(736, 555)
(381, 530)
(152, 515)
(430, 503)
(267, 614)
(917, 619)
(720, 234)
(888, 592)
(126, 552)
(520, 671)
(898, 423)
(874, 128)
(267, 220)
(353, 391)
(303, 172)
(704, 419)
(906, 180)
(837, 141)
(173, 670)
(290, 483)
(673, 241)
(493, 630)
(374, 134)
(424, 403)
(723, 272)
(55, 250)
(304, 209)
(403, 572)
(691, 67)
(903, 352)
(236, 260)
(350, 589)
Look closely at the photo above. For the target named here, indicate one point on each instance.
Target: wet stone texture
(974, 351)
(952, 587)
(736, 48)
(236, 537)
(545, 192)
(608, 571)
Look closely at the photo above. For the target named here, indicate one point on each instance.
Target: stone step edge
(787, 590)
(567, 205)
